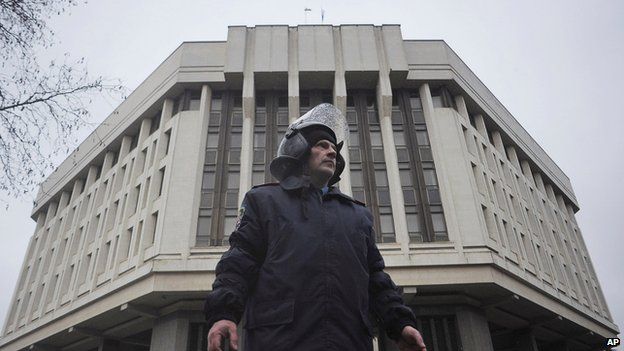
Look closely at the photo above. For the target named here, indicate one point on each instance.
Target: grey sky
(553, 64)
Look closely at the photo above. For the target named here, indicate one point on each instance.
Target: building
(476, 223)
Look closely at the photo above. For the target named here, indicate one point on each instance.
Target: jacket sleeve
(386, 301)
(237, 271)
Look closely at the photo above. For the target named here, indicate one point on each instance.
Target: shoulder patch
(241, 213)
(265, 184)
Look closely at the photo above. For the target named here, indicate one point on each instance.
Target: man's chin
(328, 171)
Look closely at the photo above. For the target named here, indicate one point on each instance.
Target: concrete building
(475, 221)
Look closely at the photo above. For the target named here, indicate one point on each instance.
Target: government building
(475, 221)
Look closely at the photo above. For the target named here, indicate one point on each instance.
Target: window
(418, 177)
(369, 178)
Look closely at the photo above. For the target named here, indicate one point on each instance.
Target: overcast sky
(555, 65)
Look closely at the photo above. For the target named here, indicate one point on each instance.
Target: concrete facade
(476, 223)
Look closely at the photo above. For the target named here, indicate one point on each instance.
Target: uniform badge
(241, 213)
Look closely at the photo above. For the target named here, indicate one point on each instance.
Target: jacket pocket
(270, 313)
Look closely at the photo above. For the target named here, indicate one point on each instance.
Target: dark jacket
(305, 269)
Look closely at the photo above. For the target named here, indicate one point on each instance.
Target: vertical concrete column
(41, 217)
(461, 108)
(340, 101)
(140, 158)
(426, 101)
(474, 332)
(51, 212)
(384, 107)
(108, 161)
(93, 170)
(167, 111)
(204, 118)
(498, 141)
(293, 74)
(526, 341)
(124, 149)
(165, 116)
(528, 173)
(170, 333)
(480, 122)
(513, 157)
(183, 185)
(458, 189)
(64, 201)
(146, 125)
(249, 114)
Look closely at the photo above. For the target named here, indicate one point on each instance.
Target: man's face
(322, 161)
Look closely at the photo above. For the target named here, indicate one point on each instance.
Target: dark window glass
(235, 140)
(384, 197)
(378, 155)
(215, 118)
(260, 101)
(282, 118)
(402, 155)
(430, 177)
(206, 199)
(354, 139)
(425, 154)
(194, 100)
(408, 197)
(203, 226)
(237, 118)
(434, 196)
(238, 100)
(381, 178)
(234, 156)
(304, 101)
(422, 138)
(438, 222)
(260, 118)
(354, 155)
(258, 156)
(418, 117)
(208, 180)
(373, 118)
(211, 157)
(356, 178)
(396, 117)
(231, 199)
(282, 101)
(351, 117)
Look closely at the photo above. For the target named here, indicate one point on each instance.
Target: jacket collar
(295, 182)
(298, 182)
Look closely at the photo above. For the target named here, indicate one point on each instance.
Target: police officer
(303, 265)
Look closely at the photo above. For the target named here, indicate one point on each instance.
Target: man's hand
(219, 332)
(411, 340)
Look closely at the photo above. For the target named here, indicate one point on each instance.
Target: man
(303, 264)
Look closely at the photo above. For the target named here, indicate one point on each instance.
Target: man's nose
(331, 153)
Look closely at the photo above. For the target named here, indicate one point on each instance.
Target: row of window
(524, 215)
(367, 162)
(97, 226)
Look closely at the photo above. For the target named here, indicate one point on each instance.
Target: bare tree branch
(41, 109)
